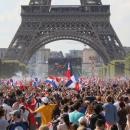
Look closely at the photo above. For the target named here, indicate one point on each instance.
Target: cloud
(6, 17)
(69, 45)
(120, 19)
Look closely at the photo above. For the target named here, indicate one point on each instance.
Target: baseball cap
(45, 100)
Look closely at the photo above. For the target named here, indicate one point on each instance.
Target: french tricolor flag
(68, 72)
(52, 82)
(36, 82)
(73, 83)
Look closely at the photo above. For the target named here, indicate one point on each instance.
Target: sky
(10, 20)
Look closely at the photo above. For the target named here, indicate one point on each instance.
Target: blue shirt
(82, 110)
(74, 116)
(110, 113)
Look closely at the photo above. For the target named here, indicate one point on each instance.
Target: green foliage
(127, 65)
(128, 55)
(114, 68)
(9, 68)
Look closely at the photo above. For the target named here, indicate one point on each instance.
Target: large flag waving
(52, 81)
(73, 83)
(68, 72)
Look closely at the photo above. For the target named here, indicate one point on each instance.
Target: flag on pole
(36, 82)
(52, 82)
(77, 86)
(73, 83)
(68, 72)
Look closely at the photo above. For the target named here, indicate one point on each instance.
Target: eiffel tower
(43, 23)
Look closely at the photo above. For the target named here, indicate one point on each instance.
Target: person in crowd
(100, 125)
(99, 100)
(128, 123)
(3, 122)
(122, 113)
(110, 112)
(83, 107)
(24, 113)
(84, 123)
(75, 115)
(63, 100)
(38, 115)
(74, 126)
(128, 93)
(1, 98)
(81, 128)
(30, 105)
(89, 112)
(127, 105)
(7, 108)
(66, 125)
(65, 109)
(119, 99)
(114, 127)
(17, 122)
(96, 116)
(46, 111)
(57, 111)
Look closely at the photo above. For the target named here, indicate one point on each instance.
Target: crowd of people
(93, 107)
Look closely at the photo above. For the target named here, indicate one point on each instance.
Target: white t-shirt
(116, 104)
(24, 115)
(8, 109)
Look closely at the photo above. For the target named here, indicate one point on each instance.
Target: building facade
(2, 52)
(38, 64)
(91, 62)
(55, 54)
(75, 54)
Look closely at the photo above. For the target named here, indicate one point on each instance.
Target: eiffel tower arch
(43, 23)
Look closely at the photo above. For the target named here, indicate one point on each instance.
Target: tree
(9, 68)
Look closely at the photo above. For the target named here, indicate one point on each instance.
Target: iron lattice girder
(48, 2)
(89, 25)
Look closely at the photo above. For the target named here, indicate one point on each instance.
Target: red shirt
(31, 106)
